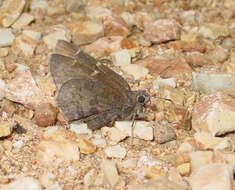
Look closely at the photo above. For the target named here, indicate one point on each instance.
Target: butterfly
(91, 92)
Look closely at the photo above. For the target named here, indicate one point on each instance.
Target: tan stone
(24, 20)
(212, 176)
(214, 113)
(109, 169)
(86, 146)
(184, 169)
(200, 158)
(84, 32)
(162, 30)
(6, 128)
(10, 11)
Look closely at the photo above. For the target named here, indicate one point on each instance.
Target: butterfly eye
(141, 99)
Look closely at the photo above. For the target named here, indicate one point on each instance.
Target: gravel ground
(181, 52)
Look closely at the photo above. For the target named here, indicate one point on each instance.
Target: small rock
(142, 129)
(59, 33)
(173, 94)
(115, 26)
(129, 163)
(104, 46)
(57, 145)
(90, 176)
(116, 135)
(47, 179)
(163, 134)
(212, 176)
(109, 169)
(188, 46)
(185, 148)
(162, 30)
(23, 89)
(10, 12)
(54, 11)
(2, 89)
(128, 18)
(184, 169)
(219, 55)
(23, 183)
(74, 5)
(159, 183)
(143, 18)
(215, 114)
(6, 37)
(115, 151)
(25, 45)
(24, 20)
(208, 82)
(39, 8)
(229, 67)
(137, 71)
(6, 128)
(213, 31)
(45, 115)
(86, 146)
(200, 158)
(3, 52)
(181, 159)
(99, 142)
(121, 58)
(208, 142)
(154, 172)
(35, 35)
(197, 59)
(163, 82)
(85, 32)
(97, 13)
(165, 67)
(80, 128)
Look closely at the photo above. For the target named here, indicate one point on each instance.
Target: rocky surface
(181, 52)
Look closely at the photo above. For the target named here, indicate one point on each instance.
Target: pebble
(23, 183)
(121, 58)
(212, 176)
(6, 128)
(60, 33)
(163, 82)
(163, 134)
(45, 115)
(116, 135)
(200, 158)
(97, 13)
(23, 89)
(24, 45)
(213, 30)
(3, 52)
(57, 145)
(208, 82)
(184, 169)
(137, 71)
(47, 179)
(142, 130)
(80, 128)
(85, 32)
(86, 146)
(35, 35)
(162, 30)
(24, 20)
(159, 183)
(74, 5)
(99, 142)
(173, 94)
(90, 176)
(115, 151)
(6, 37)
(10, 12)
(115, 26)
(207, 142)
(2, 89)
(214, 114)
(109, 169)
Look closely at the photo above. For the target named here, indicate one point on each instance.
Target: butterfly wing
(70, 62)
(84, 97)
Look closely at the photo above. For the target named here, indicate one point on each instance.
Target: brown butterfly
(91, 92)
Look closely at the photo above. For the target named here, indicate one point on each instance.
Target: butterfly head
(142, 97)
